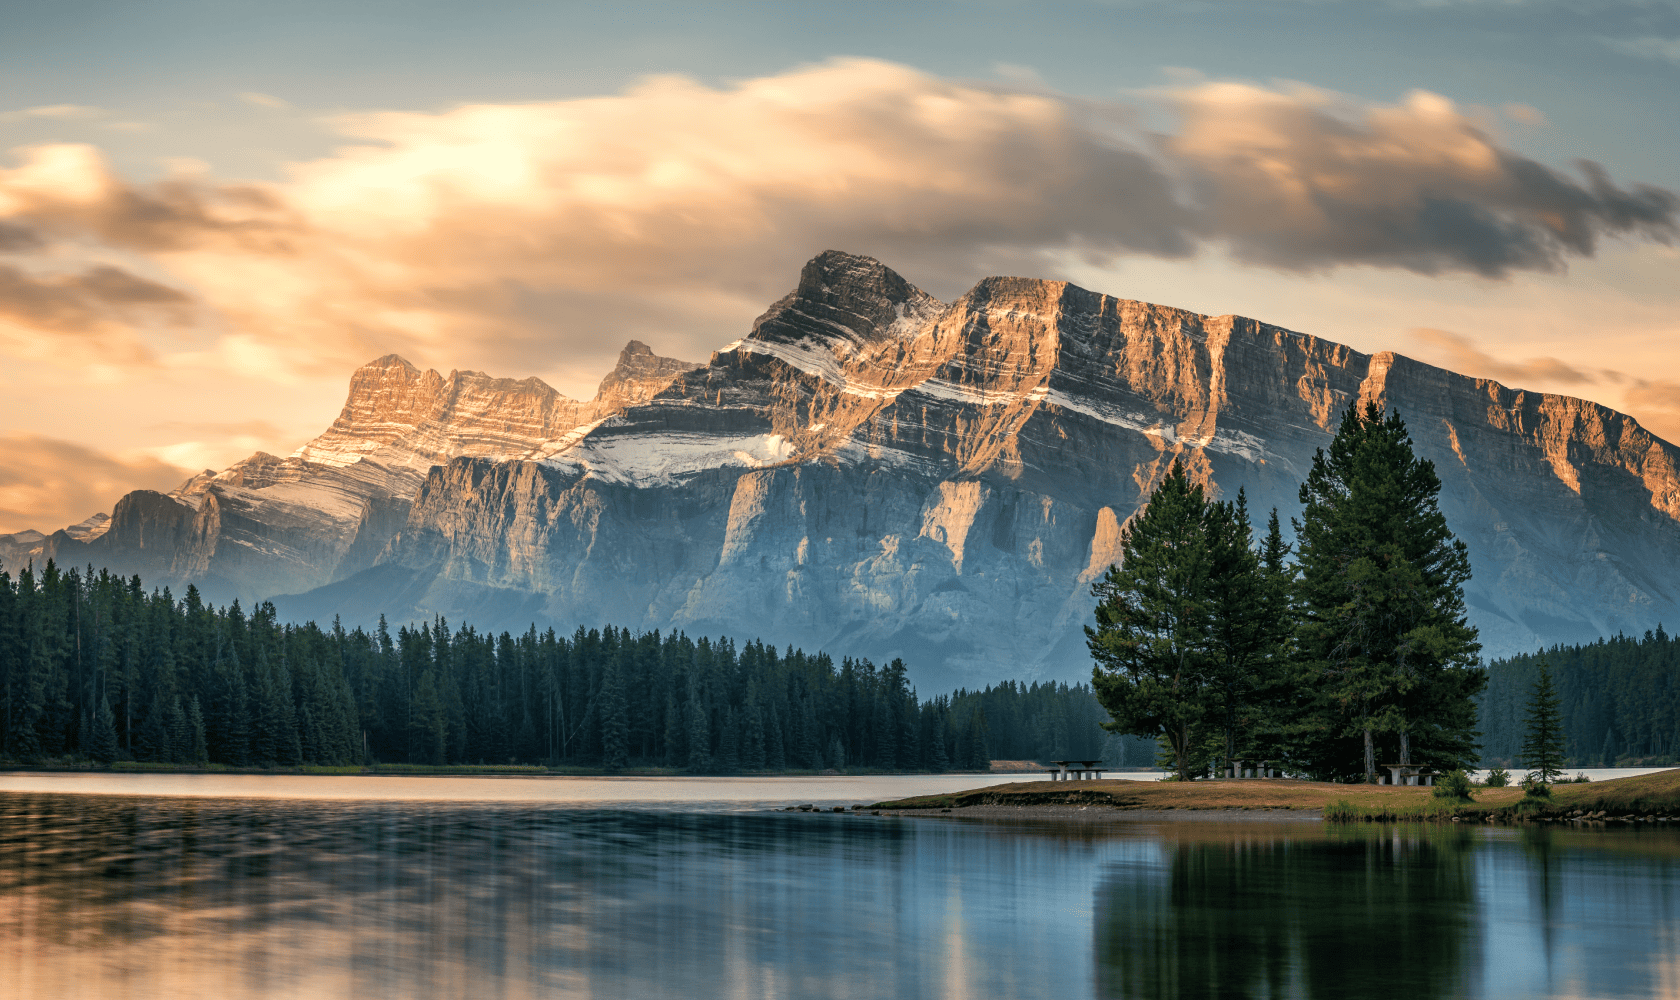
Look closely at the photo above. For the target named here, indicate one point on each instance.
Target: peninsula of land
(1653, 798)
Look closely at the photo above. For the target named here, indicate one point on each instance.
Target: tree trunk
(1370, 758)
(1181, 750)
(1405, 747)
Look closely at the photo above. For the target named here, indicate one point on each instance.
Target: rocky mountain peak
(639, 375)
(849, 301)
(388, 398)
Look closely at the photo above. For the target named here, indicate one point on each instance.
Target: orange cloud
(46, 483)
(1458, 353)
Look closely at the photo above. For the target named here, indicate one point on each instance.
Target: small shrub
(1497, 777)
(1454, 785)
(1581, 778)
(1538, 790)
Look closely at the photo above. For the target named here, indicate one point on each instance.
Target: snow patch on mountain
(667, 459)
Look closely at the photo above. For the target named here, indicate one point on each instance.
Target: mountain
(876, 472)
(269, 525)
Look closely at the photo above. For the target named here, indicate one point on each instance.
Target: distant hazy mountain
(875, 472)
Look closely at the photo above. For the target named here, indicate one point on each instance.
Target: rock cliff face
(875, 472)
(270, 525)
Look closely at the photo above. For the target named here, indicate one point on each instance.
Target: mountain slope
(874, 471)
(269, 525)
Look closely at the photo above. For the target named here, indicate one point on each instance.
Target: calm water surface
(178, 896)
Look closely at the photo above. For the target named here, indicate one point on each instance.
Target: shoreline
(1109, 815)
(1649, 798)
(478, 771)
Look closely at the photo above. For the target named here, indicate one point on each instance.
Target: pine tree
(102, 745)
(775, 744)
(1542, 750)
(699, 731)
(152, 742)
(1153, 641)
(810, 750)
(1242, 630)
(729, 742)
(430, 729)
(836, 756)
(974, 746)
(753, 751)
(938, 760)
(199, 751)
(180, 734)
(1383, 637)
(614, 713)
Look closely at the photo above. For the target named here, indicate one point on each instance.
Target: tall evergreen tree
(198, 750)
(1542, 749)
(1383, 637)
(1242, 631)
(1153, 642)
(614, 715)
(102, 744)
(699, 730)
(728, 760)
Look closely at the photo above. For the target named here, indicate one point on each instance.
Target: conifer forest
(93, 665)
(1620, 702)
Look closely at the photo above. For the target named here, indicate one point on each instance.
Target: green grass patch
(1431, 810)
(456, 769)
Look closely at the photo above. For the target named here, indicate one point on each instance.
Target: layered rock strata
(268, 525)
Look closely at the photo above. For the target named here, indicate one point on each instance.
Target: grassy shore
(1646, 797)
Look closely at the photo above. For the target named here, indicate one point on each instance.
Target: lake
(250, 886)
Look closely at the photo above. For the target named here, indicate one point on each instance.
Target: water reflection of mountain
(1364, 915)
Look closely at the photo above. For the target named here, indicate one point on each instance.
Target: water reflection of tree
(1361, 915)
(1537, 844)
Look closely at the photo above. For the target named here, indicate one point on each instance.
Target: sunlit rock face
(878, 473)
(268, 525)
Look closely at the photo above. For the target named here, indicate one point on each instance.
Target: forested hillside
(1621, 702)
(94, 665)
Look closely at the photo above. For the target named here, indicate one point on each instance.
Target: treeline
(93, 665)
(1620, 701)
(1044, 722)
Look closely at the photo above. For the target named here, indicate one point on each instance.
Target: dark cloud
(1298, 181)
(67, 190)
(89, 302)
(18, 239)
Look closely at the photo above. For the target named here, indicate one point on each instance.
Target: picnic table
(1408, 774)
(1076, 770)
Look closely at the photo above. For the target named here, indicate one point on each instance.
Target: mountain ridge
(871, 469)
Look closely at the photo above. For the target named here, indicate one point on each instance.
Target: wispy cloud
(1459, 353)
(265, 101)
(59, 112)
(46, 483)
(1647, 47)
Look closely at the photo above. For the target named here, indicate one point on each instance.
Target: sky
(213, 211)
